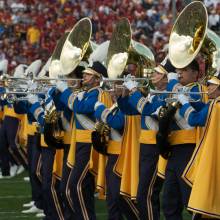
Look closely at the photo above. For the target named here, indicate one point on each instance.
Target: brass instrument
(124, 51)
(173, 99)
(190, 36)
(113, 84)
(75, 46)
(101, 135)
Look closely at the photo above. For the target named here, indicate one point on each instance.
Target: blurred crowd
(29, 29)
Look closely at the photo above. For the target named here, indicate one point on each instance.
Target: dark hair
(194, 65)
(77, 72)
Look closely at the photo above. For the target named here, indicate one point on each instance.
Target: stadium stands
(29, 28)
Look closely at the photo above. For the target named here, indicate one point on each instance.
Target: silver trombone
(158, 92)
(175, 99)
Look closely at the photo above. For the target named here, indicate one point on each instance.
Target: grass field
(14, 192)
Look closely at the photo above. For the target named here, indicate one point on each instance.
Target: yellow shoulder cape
(203, 170)
(127, 166)
(98, 161)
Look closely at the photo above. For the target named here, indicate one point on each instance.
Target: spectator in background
(33, 35)
(150, 20)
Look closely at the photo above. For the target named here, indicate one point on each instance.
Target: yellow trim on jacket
(114, 147)
(148, 136)
(182, 137)
(10, 112)
(83, 136)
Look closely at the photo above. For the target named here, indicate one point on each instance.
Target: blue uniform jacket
(138, 104)
(181, 122)
(83, 110)
(193, 117)
(115, 119)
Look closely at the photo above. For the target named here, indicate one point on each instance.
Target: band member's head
(77, 73)
(92, 75)
(189, 74)
(214, 87)
(159, 76)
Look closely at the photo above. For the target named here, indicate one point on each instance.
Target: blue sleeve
(142, 104)
(115, 119)
(125, 106)
(198, 104)
(86, 105)
(193, 117)
(2, 89)
(67, 97)
(38, 112)
(56, 96)
(172, 84)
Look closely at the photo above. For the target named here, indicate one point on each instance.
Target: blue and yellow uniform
(84, 115)
(182, 138)
(9, 137)
(33, 154)
(51, 163)
(115, 119)
(148, 107)
(203, 198)
(66, 117)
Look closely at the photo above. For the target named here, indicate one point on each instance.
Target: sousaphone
(75, 45)
(123, 51)
(189, 37)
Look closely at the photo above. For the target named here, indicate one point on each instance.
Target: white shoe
(40, 215)
(26, 179)
(20, 169)
(27, 205)
(13, 170)
(32, 209)
(6, 177)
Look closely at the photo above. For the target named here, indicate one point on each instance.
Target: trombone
(174, 99)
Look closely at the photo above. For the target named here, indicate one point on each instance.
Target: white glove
(97, 104)
(32, 98)
(131, 84)
(183, 99)
(61, 86)
(171, 76)
(128, 77)
(80, 95)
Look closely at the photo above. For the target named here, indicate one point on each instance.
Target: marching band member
(67, 121)
(51, 197)
(117, 204)
(182, 140)
(149, 184)
(9, 133)
(204, 200)
(33, 149)
(115, 119)
(82, 105)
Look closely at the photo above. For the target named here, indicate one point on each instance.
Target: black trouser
(50, 209)
(82, 184)
(118, 205)
(147, 195)
(176, 192)
(68, 210)
(33, 156)
(9, 143)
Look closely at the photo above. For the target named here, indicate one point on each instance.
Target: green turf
(14, 192)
